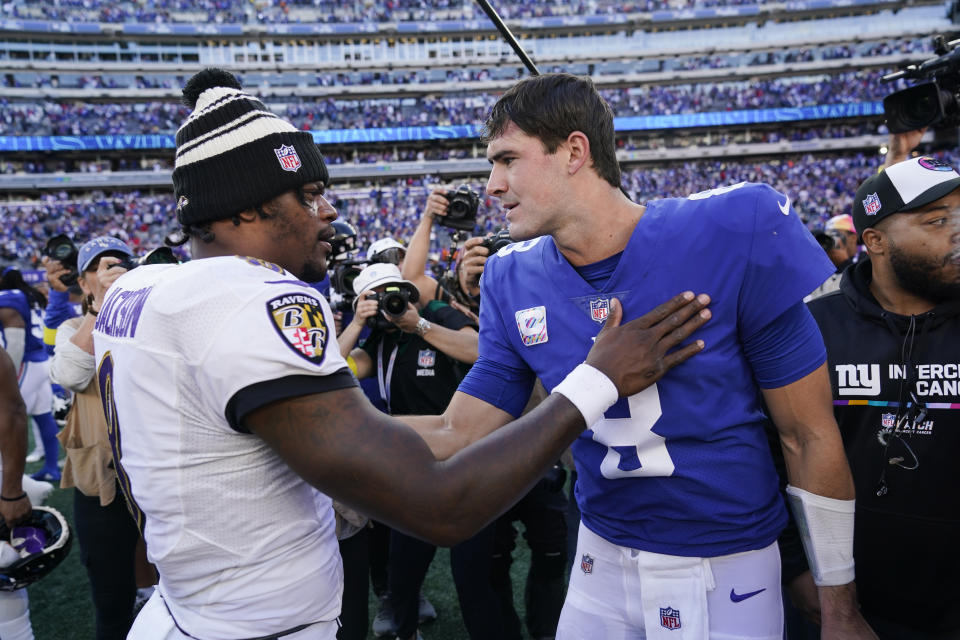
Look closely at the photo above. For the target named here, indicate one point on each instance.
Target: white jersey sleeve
(279, 343)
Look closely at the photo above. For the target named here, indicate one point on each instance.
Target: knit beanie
(234, 154)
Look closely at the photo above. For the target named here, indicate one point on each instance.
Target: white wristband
(590, 391)
(826, 528)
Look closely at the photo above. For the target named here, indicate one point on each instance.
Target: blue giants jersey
(684, 467)
(33, 350)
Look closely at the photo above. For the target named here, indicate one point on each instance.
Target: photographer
(419, 358)
(107, 535)
(832, 243)
(460, 289)
(414, 266)
(60, 262)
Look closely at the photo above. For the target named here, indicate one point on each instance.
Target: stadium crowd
(84, 118)
(341, 156)
(821, 186)
(237, 11)
(475, 72)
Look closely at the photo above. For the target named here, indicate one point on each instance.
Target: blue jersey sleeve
(14, 299)
(499, 376)
(58, 310)
(784, 263)
(787, 349)
(506, 388)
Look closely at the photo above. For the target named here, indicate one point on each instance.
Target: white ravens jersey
(245, 548)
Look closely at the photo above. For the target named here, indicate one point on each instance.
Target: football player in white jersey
(229, 405)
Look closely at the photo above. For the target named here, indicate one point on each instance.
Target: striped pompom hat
(234, 154)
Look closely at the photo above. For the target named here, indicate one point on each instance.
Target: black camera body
(160, 255)
(62, 249)
(936, 100)
(462, 209)
(497, 241)
(392, 302)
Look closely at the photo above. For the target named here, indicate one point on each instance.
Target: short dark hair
(551, 107)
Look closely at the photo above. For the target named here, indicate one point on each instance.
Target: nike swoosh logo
(735, 597)
(785, 206)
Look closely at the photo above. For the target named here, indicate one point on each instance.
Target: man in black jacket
(891, 333)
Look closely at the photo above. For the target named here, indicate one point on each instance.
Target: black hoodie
(907, 535)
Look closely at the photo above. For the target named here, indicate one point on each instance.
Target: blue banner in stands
(749, 116)
(408, 134)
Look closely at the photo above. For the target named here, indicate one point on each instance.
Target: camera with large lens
(497, 241)
(392, 302)
(933, 102)
(160, 255)
(461, 209)
(62, 249)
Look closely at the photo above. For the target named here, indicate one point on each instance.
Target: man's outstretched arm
(343, 446)
(13, 444)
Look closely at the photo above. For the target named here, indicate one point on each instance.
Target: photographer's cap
(843, 222)
(380, 274)
(93, 248)
(901, 188)
(383, 244)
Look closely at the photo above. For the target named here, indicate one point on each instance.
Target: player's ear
(578, 146)
(875, 241)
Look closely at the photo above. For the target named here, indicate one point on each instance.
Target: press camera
(935, 100)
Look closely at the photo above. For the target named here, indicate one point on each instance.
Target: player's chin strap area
(272, 636)
(826, 528)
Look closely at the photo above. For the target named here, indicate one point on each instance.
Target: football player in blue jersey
(680, 501)
(29, 355)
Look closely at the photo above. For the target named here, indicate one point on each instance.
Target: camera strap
(385, 380)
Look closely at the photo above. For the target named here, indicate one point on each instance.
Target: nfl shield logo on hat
(669, 618)
(887, 420)
(871, 205)
(599, 309)
(287, 155)
(586, 564)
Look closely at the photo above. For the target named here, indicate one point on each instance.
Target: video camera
(343, 268)
(160, 255)
(62, 249)
(461, 210)
(342, 294)
(936, 101)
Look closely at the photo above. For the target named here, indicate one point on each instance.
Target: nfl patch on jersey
(599, 309)
(532, 324)
(298, 319)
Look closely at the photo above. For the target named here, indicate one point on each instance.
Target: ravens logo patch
(298, 318)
